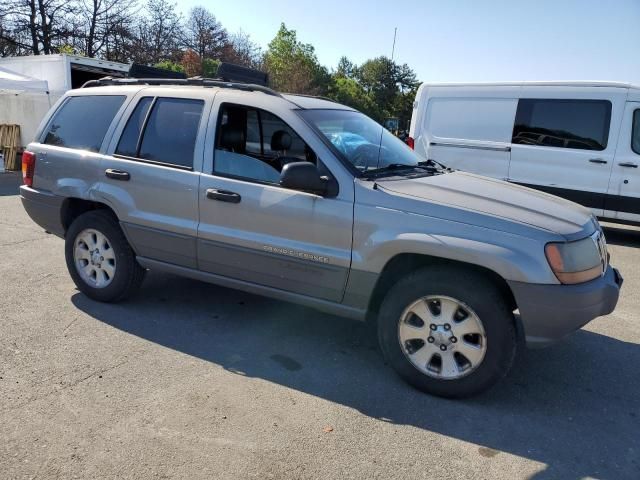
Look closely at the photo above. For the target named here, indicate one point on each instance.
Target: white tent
(15, 83)
(23, 101)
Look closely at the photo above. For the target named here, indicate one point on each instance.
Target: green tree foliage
(210, 67)
(379, 88)
(169, 65)
(350, 92)
(293, 65)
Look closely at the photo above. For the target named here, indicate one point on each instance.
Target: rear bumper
(550, 312)
(44, 208)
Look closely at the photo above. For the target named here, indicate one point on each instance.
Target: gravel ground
(189, 380)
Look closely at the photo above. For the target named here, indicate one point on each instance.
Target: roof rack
(319, 97)
(193, 81)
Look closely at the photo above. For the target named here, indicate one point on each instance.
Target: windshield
(367, 145)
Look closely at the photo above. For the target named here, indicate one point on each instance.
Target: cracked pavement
(189, 380)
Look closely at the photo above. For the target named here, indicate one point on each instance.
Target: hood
(498, 199)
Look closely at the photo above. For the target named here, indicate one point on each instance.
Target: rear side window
(171, 131)
(579, 124)
(635, 133)
(82, 122)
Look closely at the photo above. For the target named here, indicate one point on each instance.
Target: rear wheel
(99, 258)
(447, 331)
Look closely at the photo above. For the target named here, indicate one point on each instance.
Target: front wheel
(99, 258)
(447, 331)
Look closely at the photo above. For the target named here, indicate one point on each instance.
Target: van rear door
(564, 142)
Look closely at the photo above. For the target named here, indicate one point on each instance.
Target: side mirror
(303, 176)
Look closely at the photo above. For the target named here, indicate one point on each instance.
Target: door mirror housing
(303, 176)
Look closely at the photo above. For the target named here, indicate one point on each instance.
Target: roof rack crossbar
(195, 81)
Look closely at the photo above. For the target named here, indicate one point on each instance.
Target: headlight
(578, 262)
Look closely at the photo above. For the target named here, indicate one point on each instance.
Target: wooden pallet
(9, 145)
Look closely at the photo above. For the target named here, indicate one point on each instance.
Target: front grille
(601, 245)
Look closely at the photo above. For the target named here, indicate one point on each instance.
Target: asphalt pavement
(190, 380)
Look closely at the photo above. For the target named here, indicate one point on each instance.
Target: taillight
(411, 143)
(28, 167)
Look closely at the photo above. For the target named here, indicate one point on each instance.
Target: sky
(456, 41)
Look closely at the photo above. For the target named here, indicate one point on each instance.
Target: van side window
(170, 132)
(129, 141)
(635, 132)
(82, 122)
(580, 124)
(254, 144)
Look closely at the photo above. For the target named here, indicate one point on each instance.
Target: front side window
(254, 144)
(635, 132)
(82, 122)
(578, 124)
(169, 135)
(365, 144)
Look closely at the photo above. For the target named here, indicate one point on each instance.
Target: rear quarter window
(82, 122)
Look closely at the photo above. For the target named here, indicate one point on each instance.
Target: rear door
(150, 178)
(623, 201)
(255, 231)
(566, 146)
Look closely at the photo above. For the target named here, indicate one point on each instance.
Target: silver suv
(309, 201)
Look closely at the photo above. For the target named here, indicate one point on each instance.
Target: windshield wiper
(433, 164)
(392, 167)
(429, 166)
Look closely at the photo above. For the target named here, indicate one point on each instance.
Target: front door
(253, 230)
(623, 201)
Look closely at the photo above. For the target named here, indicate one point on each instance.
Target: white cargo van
(578, 140)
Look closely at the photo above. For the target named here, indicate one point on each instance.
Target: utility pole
(393, 50)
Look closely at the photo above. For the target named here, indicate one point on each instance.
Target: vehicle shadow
(622, 235)
(574, 407)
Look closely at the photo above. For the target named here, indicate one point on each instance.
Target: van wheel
(100, 260)
(447, 331)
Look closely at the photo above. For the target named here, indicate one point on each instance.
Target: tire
(480, 307)
(116, 275)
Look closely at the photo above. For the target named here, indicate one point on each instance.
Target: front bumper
(44, 208)
(550, 312)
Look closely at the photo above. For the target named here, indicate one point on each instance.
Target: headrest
(280, 140)
(232, 138)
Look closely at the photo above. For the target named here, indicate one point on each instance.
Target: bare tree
(100, 22)
(120, 43)
(241, 50)
(204, 34)
(40, 26)
(157, 35)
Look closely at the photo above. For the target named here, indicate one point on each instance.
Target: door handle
(223, 195)
(628, 164)
(597, 160)
(117, 174)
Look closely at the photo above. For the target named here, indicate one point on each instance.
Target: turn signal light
(28, 167)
